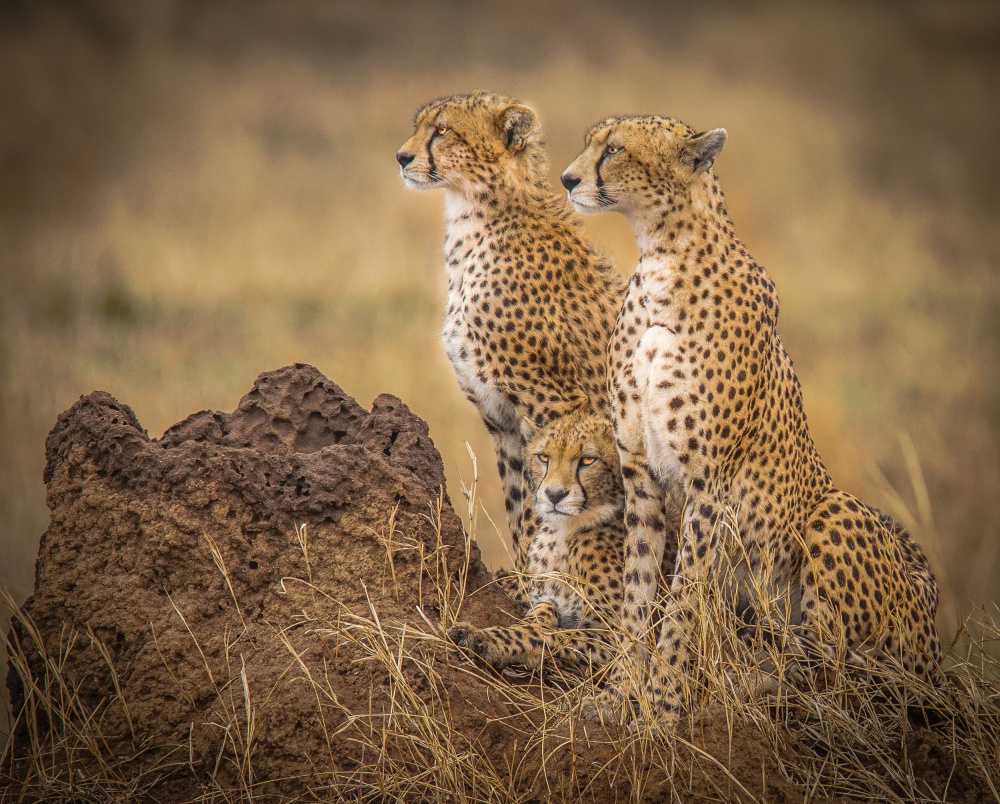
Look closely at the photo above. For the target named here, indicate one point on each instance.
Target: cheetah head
(472, 144)
(631, 164)
(573, 469)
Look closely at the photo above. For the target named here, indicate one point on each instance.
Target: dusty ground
(214, 646)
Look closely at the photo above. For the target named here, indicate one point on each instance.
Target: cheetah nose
(569, 181)
(404, 158)
(555, 495)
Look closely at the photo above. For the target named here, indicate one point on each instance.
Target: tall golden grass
(194, 193)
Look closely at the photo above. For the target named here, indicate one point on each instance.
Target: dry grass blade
(302, 537)
(102, 648)
(221, 565)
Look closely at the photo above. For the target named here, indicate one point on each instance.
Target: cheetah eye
(442, 129)
(613, 149)
(543, 459)
(587, 461)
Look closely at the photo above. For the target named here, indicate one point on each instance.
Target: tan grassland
(193, 193)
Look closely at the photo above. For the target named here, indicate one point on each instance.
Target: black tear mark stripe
(430, 152)
(602, 196)
(600, 178)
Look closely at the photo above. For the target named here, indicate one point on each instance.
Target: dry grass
(228, 203)
(845, 737)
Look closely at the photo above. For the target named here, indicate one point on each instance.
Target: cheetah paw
(473, 640)
(607, 707)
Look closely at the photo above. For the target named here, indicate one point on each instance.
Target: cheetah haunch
(708, 415)
(530, 305)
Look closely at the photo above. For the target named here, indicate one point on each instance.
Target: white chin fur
(417, 182)
(587, 206)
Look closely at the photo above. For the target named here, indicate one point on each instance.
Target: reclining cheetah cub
(530, 305)
(707, 409)
(575, 559)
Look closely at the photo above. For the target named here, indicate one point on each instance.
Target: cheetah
(530, 304)
(708, 417)
(575, 559)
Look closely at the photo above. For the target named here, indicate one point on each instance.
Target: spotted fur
(575, 559)
(531, 306)
(708, 416)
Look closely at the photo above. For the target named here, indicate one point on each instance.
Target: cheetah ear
(528, 430)
(700, 151)
(515, 124)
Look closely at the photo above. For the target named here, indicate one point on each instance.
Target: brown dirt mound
(251, 607)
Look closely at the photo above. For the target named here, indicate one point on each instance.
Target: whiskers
(604, 199)
(421, 179)
(592, 199)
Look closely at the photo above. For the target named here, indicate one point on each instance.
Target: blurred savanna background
(192, 193)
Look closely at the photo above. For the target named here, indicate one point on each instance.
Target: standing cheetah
(575, 559)
(708, 413)
(530, 305)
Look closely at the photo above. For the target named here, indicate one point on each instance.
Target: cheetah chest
(659, 417)
(658, 367)
(473, 376)
(549, 561)
(465, 335)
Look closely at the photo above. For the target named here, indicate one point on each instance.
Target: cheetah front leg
(646, 524)
(650, 527)
(531, 641)
(671, 667)
(650, 548)
(517, 501)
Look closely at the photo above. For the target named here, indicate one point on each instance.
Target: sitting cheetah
(708, 412)
(530, 305)
(575, 559)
